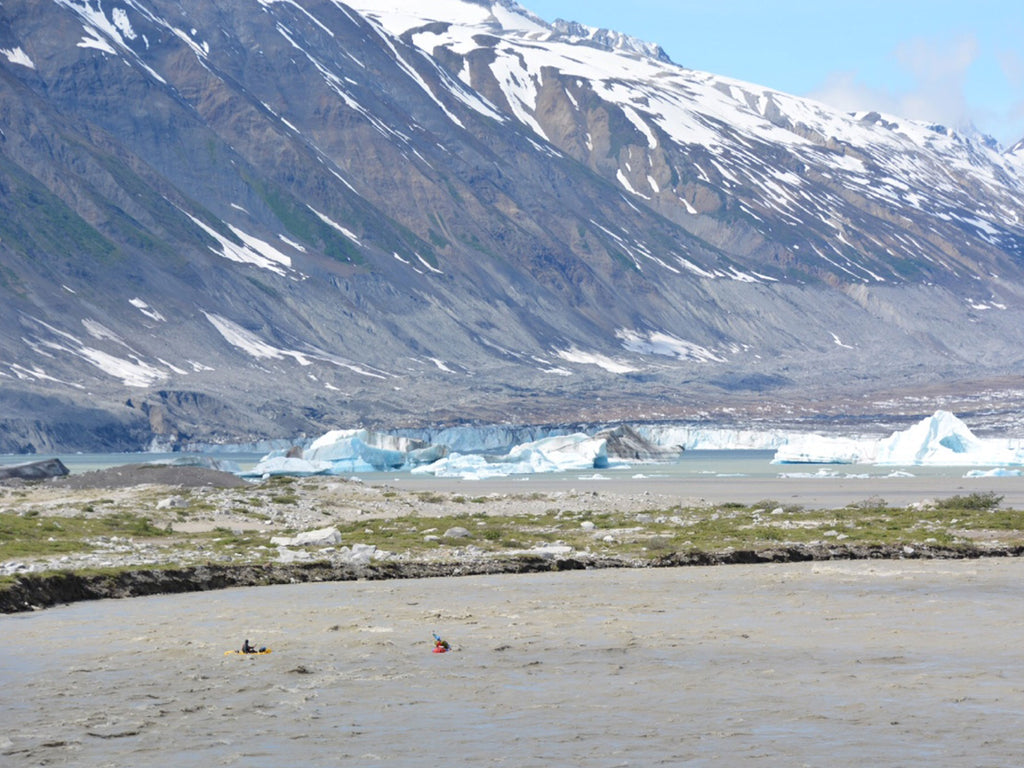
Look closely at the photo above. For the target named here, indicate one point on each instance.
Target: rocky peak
(609, 39)
(223, 222)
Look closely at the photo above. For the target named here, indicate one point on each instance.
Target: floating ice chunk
(939, 440)
(549, 454)
(378, 451)
(373, 450)
(576, 451)
(817, 449)
(468, 467)
(343, 451)
(277, 464)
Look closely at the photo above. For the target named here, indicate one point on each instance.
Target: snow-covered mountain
(228, 221)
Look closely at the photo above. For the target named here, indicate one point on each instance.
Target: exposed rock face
(624, 443)
(234, 221)
(34, 470)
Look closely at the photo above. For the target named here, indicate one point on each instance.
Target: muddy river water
(826, 664)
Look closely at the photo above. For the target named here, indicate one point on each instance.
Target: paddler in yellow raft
(248, 650)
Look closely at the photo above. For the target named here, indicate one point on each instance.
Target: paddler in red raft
(441, 646)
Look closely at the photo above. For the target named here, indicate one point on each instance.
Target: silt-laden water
(828, 664)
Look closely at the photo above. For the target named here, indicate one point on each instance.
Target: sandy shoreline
(790, 484)
(810, 492)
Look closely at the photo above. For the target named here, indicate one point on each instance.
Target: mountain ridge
(225, 223)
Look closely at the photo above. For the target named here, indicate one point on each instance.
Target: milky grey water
(837, 664)
(697, 477)
(689, 464)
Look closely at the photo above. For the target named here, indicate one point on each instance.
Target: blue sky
(940, 61)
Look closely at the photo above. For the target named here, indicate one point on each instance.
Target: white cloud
(1012, 65)
(938, 73)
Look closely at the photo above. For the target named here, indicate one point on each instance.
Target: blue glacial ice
(941, 440)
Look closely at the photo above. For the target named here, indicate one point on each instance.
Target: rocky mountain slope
(229, 221)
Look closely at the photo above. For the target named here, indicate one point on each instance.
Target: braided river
(882, 663)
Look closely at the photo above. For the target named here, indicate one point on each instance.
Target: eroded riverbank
(146, 529)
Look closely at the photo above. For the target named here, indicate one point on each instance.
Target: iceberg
(277, 463)
(378, 450)
(554, 454)
(549, 454)
(941, 440)
(478, 452)
(997, 472)
(343, 451)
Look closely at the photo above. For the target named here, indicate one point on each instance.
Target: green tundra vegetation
(99, 525)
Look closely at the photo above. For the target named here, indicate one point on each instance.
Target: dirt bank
(34, 592)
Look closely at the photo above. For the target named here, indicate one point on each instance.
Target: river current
(882, 663)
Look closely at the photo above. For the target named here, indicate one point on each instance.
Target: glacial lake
(690, 464)
(741, 476)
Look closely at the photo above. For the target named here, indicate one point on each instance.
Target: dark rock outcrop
(34, 470)
(623, 442)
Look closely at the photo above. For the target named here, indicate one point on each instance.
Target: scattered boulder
(458, 532)
(359, 554)
(172, 502)
(551, 551)
(322, 537)
(288, 556)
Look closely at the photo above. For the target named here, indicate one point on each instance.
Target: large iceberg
(342, 451)
(939, 440)
(549, 454)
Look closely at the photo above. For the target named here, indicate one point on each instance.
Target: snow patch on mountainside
(249, 342)
(659, 343)
(147, 310)
(252, 251)
(17, 56)
(574, 355)
(50, 342)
